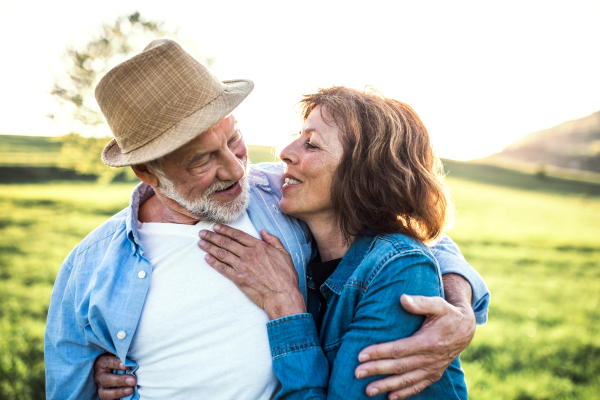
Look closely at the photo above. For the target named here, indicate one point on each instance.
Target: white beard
(205, 208)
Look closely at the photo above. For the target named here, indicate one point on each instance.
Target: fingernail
(373, 392)
(202, 243)
(121, 366)
(130, 381)
(409, 299)
(128, 391)
(207, 257)
(217, 227)
(394, 397)
(361, 375)
(202, 233)
(363, 357)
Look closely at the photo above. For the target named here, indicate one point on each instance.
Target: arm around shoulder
(379, 317)
(451, 261)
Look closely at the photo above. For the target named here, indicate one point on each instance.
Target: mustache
(218, 186)
(221, 185)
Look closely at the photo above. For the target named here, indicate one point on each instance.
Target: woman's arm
(298, 361)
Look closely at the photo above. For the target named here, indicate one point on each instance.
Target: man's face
(206, 177)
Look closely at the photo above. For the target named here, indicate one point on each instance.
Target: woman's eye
(311, 146)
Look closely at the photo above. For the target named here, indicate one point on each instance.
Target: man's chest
(197, 332)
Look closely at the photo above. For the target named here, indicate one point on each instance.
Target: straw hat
(159, 100)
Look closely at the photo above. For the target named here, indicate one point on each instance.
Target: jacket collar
(351, 260)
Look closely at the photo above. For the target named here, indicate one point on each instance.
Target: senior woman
(365, 179)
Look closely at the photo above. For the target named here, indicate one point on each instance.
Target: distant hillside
(31, 151)
(36, 159)
(573, 144)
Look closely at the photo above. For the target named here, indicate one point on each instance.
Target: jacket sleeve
(68, 356)
(300, 363)
(451, 260)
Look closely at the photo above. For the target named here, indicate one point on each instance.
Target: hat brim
(184, 131)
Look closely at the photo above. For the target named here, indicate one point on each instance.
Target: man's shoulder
(268, 167)
(101, 237)
(269, 176)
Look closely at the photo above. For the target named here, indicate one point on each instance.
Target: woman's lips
(290, 183)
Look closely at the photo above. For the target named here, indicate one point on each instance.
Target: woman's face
(311, 161)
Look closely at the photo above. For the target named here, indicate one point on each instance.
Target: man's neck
(158, 209)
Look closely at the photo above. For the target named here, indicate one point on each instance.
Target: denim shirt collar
(351, 260)
(141, 193)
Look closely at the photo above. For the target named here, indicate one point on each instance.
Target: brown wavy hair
(389, 179)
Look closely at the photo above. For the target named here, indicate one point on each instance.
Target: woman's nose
(289, 154)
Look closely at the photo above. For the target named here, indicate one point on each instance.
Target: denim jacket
(101, 286)
(363, 309)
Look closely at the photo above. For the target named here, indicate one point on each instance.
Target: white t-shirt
(199, 336)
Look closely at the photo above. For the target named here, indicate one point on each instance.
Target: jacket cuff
(292, 333)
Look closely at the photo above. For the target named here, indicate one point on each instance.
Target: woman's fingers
(222, 268)
(235, 234)
(114, 394)
(221, 254)
(109, 380)
(108, 361)
(219, 241)
(271, 239)
(112, 386)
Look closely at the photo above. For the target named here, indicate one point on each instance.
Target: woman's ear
(145, 175)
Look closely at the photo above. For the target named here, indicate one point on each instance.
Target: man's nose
(232, 168)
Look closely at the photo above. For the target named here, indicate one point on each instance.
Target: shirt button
(141, 274)
(121, 335)
(136, 241)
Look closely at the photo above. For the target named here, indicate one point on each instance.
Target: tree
(74, 88)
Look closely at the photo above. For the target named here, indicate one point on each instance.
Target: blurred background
(510, 92)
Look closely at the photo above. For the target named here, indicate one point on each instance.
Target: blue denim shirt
(98, 295)
(363, 309)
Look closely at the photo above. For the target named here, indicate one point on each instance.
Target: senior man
(138, 286)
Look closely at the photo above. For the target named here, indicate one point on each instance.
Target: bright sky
(480, 74)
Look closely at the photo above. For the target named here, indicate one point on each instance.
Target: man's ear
(144, 174)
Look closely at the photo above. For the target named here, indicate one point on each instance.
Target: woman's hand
(262, 269)
(112, 386)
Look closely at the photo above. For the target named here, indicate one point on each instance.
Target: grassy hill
(572, 144)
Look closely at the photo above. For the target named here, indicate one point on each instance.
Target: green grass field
(536, 243)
